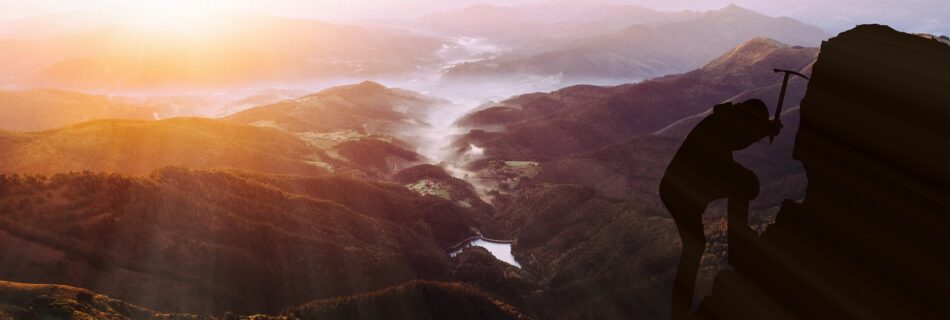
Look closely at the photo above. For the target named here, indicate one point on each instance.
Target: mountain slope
(375, 127)
(601, 153)
(583, 118)
(367, 107)
(139, 147)
(35, 110)
(212, 241)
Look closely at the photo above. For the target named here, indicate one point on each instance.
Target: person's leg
(739, 233)
(694, 242)
(738, 214)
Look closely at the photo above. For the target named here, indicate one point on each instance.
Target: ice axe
(781, 96)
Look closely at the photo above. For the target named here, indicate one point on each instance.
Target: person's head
(744, 123)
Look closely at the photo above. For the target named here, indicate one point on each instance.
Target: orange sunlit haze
(474, 159)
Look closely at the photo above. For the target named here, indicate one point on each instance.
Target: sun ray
(177, 15)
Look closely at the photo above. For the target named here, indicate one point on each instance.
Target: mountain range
(541, 125)
(543, 23)
(363, 128)
(331, 204)
(305, 199)
(601, 153)
(642, 51)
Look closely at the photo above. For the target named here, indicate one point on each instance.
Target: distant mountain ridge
(642, 52)
(546, 21)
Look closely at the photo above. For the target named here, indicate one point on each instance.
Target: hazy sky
(833, 15)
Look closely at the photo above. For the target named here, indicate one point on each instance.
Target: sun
(176, 15)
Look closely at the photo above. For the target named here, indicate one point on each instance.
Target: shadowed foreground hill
(421, 300)
(412, 300)
(39, 301)
(211, 241)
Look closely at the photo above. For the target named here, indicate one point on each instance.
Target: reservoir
(501, 250)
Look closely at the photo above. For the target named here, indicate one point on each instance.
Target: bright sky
(908, 15)
(295, 8)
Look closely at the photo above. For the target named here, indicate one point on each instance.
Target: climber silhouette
(702, 171)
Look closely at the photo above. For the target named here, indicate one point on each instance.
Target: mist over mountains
(592, 43)
(307, 169)
(280, 139)
(640, 52)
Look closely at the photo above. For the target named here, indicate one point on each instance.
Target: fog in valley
(253, 157)
(215, 59)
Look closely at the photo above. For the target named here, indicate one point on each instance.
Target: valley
(405, 190)
(488, 162)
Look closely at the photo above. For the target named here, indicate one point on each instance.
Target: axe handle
(781, 100)
(781, 97)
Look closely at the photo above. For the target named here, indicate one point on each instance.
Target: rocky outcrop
(868, 241)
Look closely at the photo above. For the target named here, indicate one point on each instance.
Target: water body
(501, 251)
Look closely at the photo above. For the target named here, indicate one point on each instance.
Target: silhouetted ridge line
(412, 300)
(869, 240)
